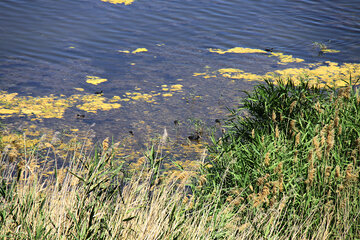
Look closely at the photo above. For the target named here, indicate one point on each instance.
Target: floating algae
(237, 50)
(126, 2)
(283, 59)
(95, 80)
(332, 74)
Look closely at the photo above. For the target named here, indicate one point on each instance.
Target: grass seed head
(273, 117)
(297, 139)
(337, 171)
(267, 159)
(292, 106)
(277, 133)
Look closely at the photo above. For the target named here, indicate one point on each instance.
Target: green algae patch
(139, 50)
(285, 59)
(237, 50)
(95, 80)
(126, 2)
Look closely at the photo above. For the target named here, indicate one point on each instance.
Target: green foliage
(297, 141)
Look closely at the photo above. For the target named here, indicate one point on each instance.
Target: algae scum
(135, 68)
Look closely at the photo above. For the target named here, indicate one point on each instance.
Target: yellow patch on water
(132, 64)
(176, 87)
(238, 74)
(79, 89)
(126, 2)
(167, 94)
(93, 103)
(124, 51)
(332, 74)
(139, 50)
(95, 80)
(165, 89)
(327, 50)
(285, 59)
(237, 50)
(74, 130)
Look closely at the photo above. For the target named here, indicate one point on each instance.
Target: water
(49, 47)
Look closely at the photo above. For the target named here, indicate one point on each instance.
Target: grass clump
(301, 143)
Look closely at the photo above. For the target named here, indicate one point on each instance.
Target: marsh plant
(286, 168)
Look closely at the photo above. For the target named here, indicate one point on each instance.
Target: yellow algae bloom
(238, 74)
(329, 50)
(124, 51)
(92, 103)
(333, 74)
(285, 59)
(126, 2)
(176, 87)
(40, 107)
(237, 50)
(79, 89)
(139, 50)
(95, 80)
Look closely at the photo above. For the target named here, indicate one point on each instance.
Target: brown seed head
(297, 139)
(292, 105)
(253, 133)
(277, 133)
(267, 159)
(328, 171)
(337, 171)
(273, 117)
(105, 144)
(293, 125)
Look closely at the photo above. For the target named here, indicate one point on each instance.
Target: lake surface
(155, 58)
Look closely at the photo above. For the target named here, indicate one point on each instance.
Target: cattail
(292, 105)
(253, 133)
(267, 159)
(337, 171)
(277, 133)
(273, 117)
(297, 139)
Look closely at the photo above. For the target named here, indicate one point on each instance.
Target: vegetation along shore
(287, 167)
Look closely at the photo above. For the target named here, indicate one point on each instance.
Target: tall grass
(287, 168)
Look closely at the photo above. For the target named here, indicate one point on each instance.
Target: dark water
(50, 46)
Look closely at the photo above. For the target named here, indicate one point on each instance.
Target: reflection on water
(138, 66)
